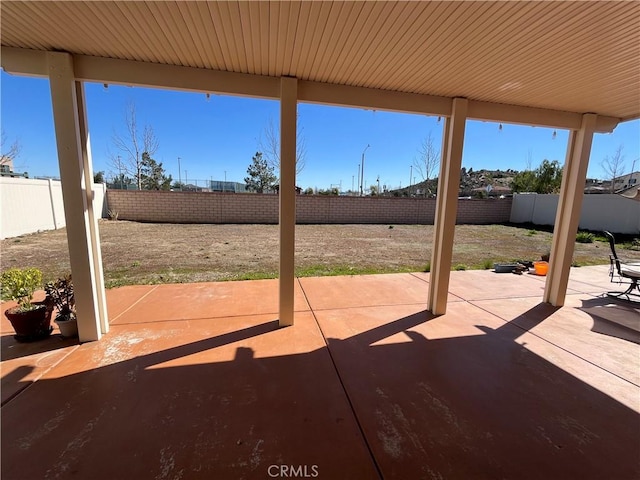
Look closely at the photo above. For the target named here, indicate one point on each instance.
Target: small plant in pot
(31, 320)
(61, 294)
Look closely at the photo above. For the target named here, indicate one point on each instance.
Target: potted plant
(61, 294)
(31, 320)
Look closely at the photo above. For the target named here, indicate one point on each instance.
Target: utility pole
(362, 171)
(120, 172)
(352, 183)
(378, 180)
(179, 175)
(359, 188)
(410, 175)
(185, 177)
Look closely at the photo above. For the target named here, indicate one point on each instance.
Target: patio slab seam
(413, 274)
(215, 317)
(45, 371)
(344, 388)
(133, 304)
(552, 343)
(328, 309)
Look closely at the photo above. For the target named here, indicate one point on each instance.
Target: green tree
(547, 178)
(524, 181)
(98, 177)
(261, 174)
(121, 181)
(152, 175)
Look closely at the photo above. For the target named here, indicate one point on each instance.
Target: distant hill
(469, 180)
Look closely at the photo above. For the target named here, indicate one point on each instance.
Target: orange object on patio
(541, 268)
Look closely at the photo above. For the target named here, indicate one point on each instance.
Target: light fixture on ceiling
(439, 118)
(207, 96)
(554, 135)
(500, 127)
(105, 86)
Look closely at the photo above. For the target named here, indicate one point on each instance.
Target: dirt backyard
(140, 253)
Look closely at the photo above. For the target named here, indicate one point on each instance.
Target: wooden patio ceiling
(566, 56)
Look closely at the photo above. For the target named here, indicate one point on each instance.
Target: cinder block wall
(195, 207)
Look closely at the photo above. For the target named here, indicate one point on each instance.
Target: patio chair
(621, 272)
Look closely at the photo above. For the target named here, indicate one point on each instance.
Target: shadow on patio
(198, 381)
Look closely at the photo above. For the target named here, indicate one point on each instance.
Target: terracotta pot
(33, 324)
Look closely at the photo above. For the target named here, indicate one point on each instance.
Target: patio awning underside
(566, 56)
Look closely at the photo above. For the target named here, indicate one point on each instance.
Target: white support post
(569, 209)
(94, 233)
(288, 114)
(74, 192)
(447, 207)
(53, 205)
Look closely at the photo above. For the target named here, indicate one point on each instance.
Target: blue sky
(221, 135)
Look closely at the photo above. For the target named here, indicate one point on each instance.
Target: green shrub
(487, 264)
(460, 266)
(585, 237)
(19, 285)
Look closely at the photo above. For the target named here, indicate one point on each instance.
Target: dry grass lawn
(140, 253)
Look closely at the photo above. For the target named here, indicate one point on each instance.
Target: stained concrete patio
(197, 381)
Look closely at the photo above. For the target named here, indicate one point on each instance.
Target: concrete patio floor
(196, 381)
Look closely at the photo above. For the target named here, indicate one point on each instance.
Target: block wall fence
(207, 207)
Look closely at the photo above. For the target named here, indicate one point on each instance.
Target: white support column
(447, 207)
(53, 205)
(288, 114)
(74, 192)
(87, 164)
(569, 208)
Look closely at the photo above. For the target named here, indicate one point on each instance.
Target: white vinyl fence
(599, 212)
(28, 205)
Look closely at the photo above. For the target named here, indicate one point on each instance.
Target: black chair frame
(622, 273)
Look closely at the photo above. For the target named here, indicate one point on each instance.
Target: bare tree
(428, 160)
(131, 145)
(9, 152)
(614, 166)
(270, 147)
(529, 165)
